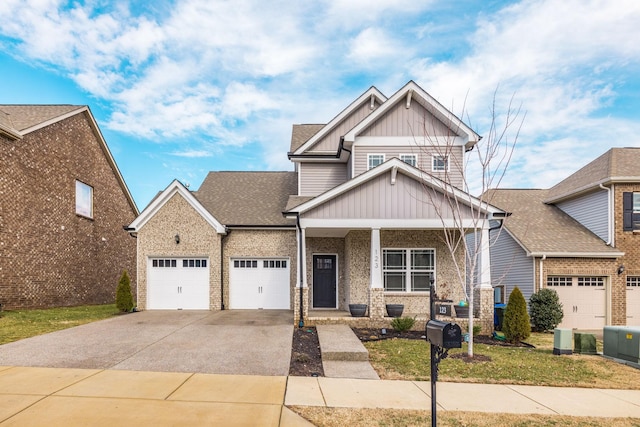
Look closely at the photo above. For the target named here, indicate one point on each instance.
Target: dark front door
(324, 281)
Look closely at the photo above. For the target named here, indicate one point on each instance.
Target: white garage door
(633, 300)
(583, 301)
(178, 283)
(259, 283)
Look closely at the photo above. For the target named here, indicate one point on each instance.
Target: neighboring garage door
(583, 301)
(259, 283)
(633, 300)
(178, 283)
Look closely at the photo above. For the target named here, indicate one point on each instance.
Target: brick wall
(629, 243)
(49, 256)
(197, 239)
(264, 244)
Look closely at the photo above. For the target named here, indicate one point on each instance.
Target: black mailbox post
(443, 334)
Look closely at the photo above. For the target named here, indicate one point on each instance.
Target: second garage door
(259, 283)
(583, 301)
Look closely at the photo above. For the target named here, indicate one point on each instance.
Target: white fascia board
(387, 224)
(418, 141)
(427, 101)
(175, 188)
(408, 170)
(11, 133)
(364, 98)
(576, 254)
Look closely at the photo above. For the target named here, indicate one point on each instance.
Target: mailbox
(444, 334)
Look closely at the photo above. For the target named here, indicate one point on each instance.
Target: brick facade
(197, 239)
(49, 256)
(629, 243)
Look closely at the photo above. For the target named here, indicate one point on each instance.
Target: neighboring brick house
(360, 220)
(583, 234)
(63, 205)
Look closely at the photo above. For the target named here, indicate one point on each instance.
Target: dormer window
(440, 164)
(374, 160)
(410, 159)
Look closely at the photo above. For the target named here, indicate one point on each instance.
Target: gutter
(338, 154)
(609, 215)
(541, 265)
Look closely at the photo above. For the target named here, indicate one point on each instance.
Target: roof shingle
(23, 117)
(301, 134)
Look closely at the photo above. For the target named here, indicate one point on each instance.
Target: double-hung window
(374, 160)
(440, 163)
(631, 211)
(407, 270)
(410, 159)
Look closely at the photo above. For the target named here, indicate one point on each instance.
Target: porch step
(339, 343)
(346, 369)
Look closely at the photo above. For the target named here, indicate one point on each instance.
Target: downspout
(544, 256)
(300, 269)
(224, 236)
(609, 215)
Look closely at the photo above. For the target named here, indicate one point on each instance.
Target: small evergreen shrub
(516, 325)
(124, 299)
(545, 309)
(402, 324)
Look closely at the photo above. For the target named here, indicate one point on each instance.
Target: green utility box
(584, 343)
(562, 341)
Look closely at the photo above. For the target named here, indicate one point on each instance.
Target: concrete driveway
(243, 342)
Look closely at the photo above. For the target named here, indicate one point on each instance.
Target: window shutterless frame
(84, 199)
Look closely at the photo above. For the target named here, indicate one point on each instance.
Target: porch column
(376, 291)
(484, 303)
(301, 287)
(485, 259)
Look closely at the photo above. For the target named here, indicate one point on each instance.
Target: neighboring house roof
(302, 133)
(20, 120)
(248, 199)
(163, 197)
(543, 229)
(616, 165)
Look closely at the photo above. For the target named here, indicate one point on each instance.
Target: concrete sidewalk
(64, 397)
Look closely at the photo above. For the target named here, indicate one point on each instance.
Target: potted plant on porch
(358, 310)
(462, 309)
(394, 310)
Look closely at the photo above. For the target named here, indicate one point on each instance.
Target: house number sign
(443, 310)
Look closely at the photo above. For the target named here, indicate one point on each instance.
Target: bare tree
(462, 215)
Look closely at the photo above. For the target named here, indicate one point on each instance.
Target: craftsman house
(359, 220)
(581, 238)
(63, 205)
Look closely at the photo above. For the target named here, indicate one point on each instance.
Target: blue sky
(180, 88)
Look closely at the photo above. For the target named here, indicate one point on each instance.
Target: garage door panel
(633, 300)
(178, 283)
(583, 301)
(259, 283)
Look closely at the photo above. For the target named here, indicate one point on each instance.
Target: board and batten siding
(402, 121)
(424, 159)
(379, 199)
(331, 141)
(510, 265)
(316, 178)
(590, 210)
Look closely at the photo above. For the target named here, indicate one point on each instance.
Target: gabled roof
(302, 133)
(414, 93)
(372, 94)
(248, 199)
(16, 121)
(543, 229)
(396, 166)
(163, 197)
(616, 165)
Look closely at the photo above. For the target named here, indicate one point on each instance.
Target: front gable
(156, 205)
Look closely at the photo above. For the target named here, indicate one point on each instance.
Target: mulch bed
(306, 360)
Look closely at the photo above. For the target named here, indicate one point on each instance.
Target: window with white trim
(84, 199)
(194, 263)
(374, 160)
(407, 270)
(633, 281)
(440, 163)
(245, 263)
(559, 281)
(410, 159)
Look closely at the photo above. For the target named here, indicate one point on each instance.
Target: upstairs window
(630, 211)
(84, 199)
(440, 164)
(374, 160)
(410, 159)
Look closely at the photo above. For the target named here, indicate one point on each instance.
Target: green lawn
(409, 360)
(20, 324)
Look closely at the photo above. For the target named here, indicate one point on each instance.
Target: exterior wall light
(177, 239)
(620, 269)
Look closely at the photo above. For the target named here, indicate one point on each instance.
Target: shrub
(402, 324)
(516, 325)
(124, 299)
(546, 310)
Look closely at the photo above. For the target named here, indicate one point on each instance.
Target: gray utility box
(562, 341)
(584, 343)
(622, 342)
